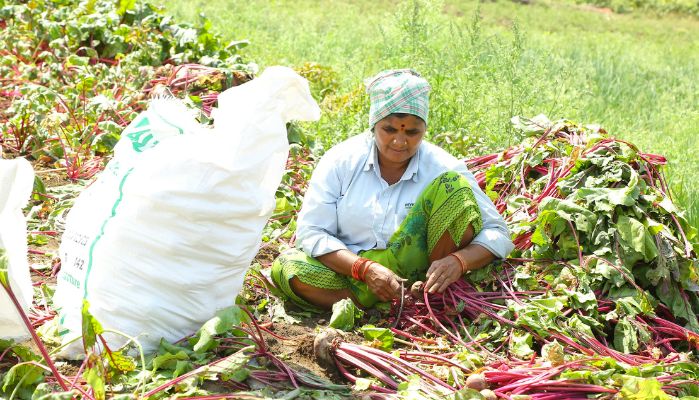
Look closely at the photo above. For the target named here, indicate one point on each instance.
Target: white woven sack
(16, 182)
(165, 236)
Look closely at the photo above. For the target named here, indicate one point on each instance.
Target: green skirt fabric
(446, 205)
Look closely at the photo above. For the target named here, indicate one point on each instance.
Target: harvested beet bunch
(599, 299)
(574, 194)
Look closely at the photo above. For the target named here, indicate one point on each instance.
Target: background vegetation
(690, 7)
(634, 73)
(74, 73)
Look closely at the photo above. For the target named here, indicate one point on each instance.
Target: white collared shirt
(348, 205)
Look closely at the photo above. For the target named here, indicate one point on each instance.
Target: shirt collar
(411, 171)
(373, 159)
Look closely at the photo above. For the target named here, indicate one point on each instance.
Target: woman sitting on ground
(385, 207)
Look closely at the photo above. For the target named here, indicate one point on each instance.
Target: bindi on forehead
(402, 126)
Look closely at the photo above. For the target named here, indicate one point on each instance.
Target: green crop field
(599, 298)
(633, 74)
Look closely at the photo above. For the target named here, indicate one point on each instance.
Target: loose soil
(297, 350)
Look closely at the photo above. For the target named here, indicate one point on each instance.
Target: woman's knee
(468, 236)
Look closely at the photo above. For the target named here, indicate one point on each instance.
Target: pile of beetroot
(599, 299)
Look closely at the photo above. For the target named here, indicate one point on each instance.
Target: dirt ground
(43, 258)
(297, 351)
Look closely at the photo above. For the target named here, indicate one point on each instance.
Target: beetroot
(476, 382)
(489, 394)
(322, 344)
(416, 289)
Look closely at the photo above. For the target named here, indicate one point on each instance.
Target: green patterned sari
(446, 205)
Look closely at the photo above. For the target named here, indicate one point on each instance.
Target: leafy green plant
(381, 338)
(659, 6)
(345, 314)
(26, 373)
(323, 80)
(75, 72)
(602, 198)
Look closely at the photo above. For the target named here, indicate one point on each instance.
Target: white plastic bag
(16, 182)
(164, 237)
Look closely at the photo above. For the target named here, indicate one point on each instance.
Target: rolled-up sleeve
(494, 236)
(317, 223)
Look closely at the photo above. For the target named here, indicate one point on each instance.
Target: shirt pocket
(394, 217)
(354, 218)
(402, 210)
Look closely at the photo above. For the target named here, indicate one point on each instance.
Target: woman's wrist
(356, 265)
(461, 261)
(367, 265)
(359, 268)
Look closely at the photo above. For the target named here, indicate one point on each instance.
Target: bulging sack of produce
(16, 182)
(164, 237)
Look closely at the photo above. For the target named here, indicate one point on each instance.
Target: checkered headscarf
(397, 91)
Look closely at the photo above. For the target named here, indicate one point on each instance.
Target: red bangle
(461, 262)
(355, 267)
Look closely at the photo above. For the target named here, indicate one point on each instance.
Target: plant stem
(39, 343)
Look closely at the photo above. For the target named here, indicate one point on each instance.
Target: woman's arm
(447, 270)
(316, 227)
(383, 282)
(492, 242)
(494, 235)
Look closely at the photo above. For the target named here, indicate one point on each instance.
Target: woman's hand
(383, 282)
(442, 273)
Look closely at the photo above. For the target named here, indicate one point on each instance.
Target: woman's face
(398, 138)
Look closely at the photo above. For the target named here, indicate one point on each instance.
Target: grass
(634, 74)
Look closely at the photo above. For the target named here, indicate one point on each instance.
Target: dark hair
(399, 116)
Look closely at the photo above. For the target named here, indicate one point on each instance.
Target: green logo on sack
(140, 135)
(71, 279)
